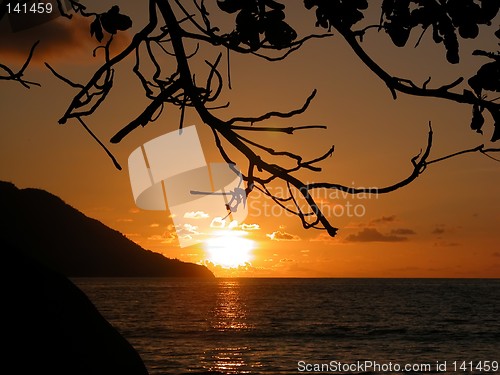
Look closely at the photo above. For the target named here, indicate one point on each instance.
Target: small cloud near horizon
(282, 236)
(250, 226)
(403, 231)
(438, 230)
(324, 237)
(196, 215)
(218, 223)
(373, 235)
(384, 219)
(446, 244)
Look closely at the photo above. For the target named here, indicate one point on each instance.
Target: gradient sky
(444, 224)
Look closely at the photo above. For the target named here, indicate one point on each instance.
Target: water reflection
(230, 316)
(228, 360)
(230, 312)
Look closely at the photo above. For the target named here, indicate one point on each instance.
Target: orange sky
(444, 224)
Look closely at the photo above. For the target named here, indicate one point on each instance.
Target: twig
(113, 159)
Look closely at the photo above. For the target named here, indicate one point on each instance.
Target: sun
(229, 248)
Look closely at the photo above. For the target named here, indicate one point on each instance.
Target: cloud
(169, 237)
(250, 226)
(438, 230)
(283, 236)
(218, 223)
(373, 235)
(403, 231)
(196, 215)
(60, 39)
(154, 225)
(188, 229)
(446, 244)
(324, 237)
(384, 219)
(156, 237)
(173, 233)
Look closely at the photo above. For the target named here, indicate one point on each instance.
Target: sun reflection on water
(229, 360)
(230, 312)
(229, 316)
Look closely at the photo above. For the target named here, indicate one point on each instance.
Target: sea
(293, 326)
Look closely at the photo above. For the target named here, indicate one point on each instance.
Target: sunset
(229, 249)
(266, 167)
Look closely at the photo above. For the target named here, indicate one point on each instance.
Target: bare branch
(275, 114)
(408, 87)
(287, 130)
(113, 159)
(64, 79)
(178, 86)
(145, 117)
(418, 168)
(12, 76)
(479, 148)
(105, 68)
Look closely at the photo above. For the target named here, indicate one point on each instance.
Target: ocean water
(290, 326)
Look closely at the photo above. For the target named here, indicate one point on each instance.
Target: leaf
(477, 119)
(275, 15)
(309, 4)
(247, 26)
(112, 21)
(274, 5)
(96, 29)
(496, 132)
(330, 13)
(451, 44)
(489, 10)
(399, 35)
(230, 6)
(486, 78)
(469, 30)
(280, 34)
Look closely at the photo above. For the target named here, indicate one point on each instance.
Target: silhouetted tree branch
(261, 29)
(18, 76)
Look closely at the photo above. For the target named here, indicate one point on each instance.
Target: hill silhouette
(44, 227)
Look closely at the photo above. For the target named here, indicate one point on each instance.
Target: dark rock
(49, 326)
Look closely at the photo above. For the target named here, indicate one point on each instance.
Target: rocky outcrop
(50, 327)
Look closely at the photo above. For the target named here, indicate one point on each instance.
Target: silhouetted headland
(44, 227)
